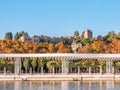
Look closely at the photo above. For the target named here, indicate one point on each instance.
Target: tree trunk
(41, 70)
(56, 70)
(100, 70)
(38, 69)
(30, 70)
(4, 70)
(78, 70)
(113, 71)
(26, 70)
(89, 70)
(59, 70)
(33, 70)
(70, 69)
(53, 70)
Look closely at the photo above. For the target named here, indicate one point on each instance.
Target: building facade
(87, 34)
(25, 39)
(41, 38)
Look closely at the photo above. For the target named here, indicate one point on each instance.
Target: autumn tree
(62, 48)
(51, 48)
(115, 46)
(98, 47)
(84, 49)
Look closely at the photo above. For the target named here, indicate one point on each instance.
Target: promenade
(58, 77)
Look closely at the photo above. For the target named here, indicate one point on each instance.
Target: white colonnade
(65, 59)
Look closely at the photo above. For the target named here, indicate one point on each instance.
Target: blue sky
(59, 17)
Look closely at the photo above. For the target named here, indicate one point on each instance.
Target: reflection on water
(60, 85)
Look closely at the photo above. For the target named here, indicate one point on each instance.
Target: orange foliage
(115, 46)
(9, 46)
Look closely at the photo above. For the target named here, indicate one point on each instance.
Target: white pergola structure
(65, 57)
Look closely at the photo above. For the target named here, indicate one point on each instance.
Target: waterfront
(60, 85)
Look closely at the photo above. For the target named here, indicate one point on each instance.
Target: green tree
(16, 36)
(34, 64)
(71, 65)
(76, 34)
(19, 34)
(1, 63)
(6, 63)
(88, 65)
(108, 38)
(52, 64)
(41, 63)
(8, 35)
(84, 41)
(79, 65)
(24, 33)
(59, 64)
(118, 36)
(26, 64)
(101, 64)
(117, 65)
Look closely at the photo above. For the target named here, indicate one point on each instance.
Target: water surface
(60, 85)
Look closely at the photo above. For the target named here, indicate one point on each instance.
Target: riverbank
(49, 77)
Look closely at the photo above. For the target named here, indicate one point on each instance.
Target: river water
(60, 85)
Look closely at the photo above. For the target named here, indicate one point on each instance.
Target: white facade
(36, 39)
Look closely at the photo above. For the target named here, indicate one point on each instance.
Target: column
(17, 66)
(109, 67)
(65, 66)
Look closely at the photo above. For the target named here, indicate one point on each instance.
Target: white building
(36, 39)
(87, 34)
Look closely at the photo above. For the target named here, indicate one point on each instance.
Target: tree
(26, 64)
(117, 65)
(51, 48)
(115, 46)
(24, 33)
(7, 63)
(108, 38)
(62, 48)
(87, 64)
(76, 34)
(8, 35)
(78, 64)
(16, 36)
(41, 64)
(84, 49)
(34, 64)
(90, 64)
(100, 65)
(59, 64)
(52, 64)
(19, 34)
(98, 47)
(118, 36)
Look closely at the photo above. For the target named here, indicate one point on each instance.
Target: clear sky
(59, 17)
